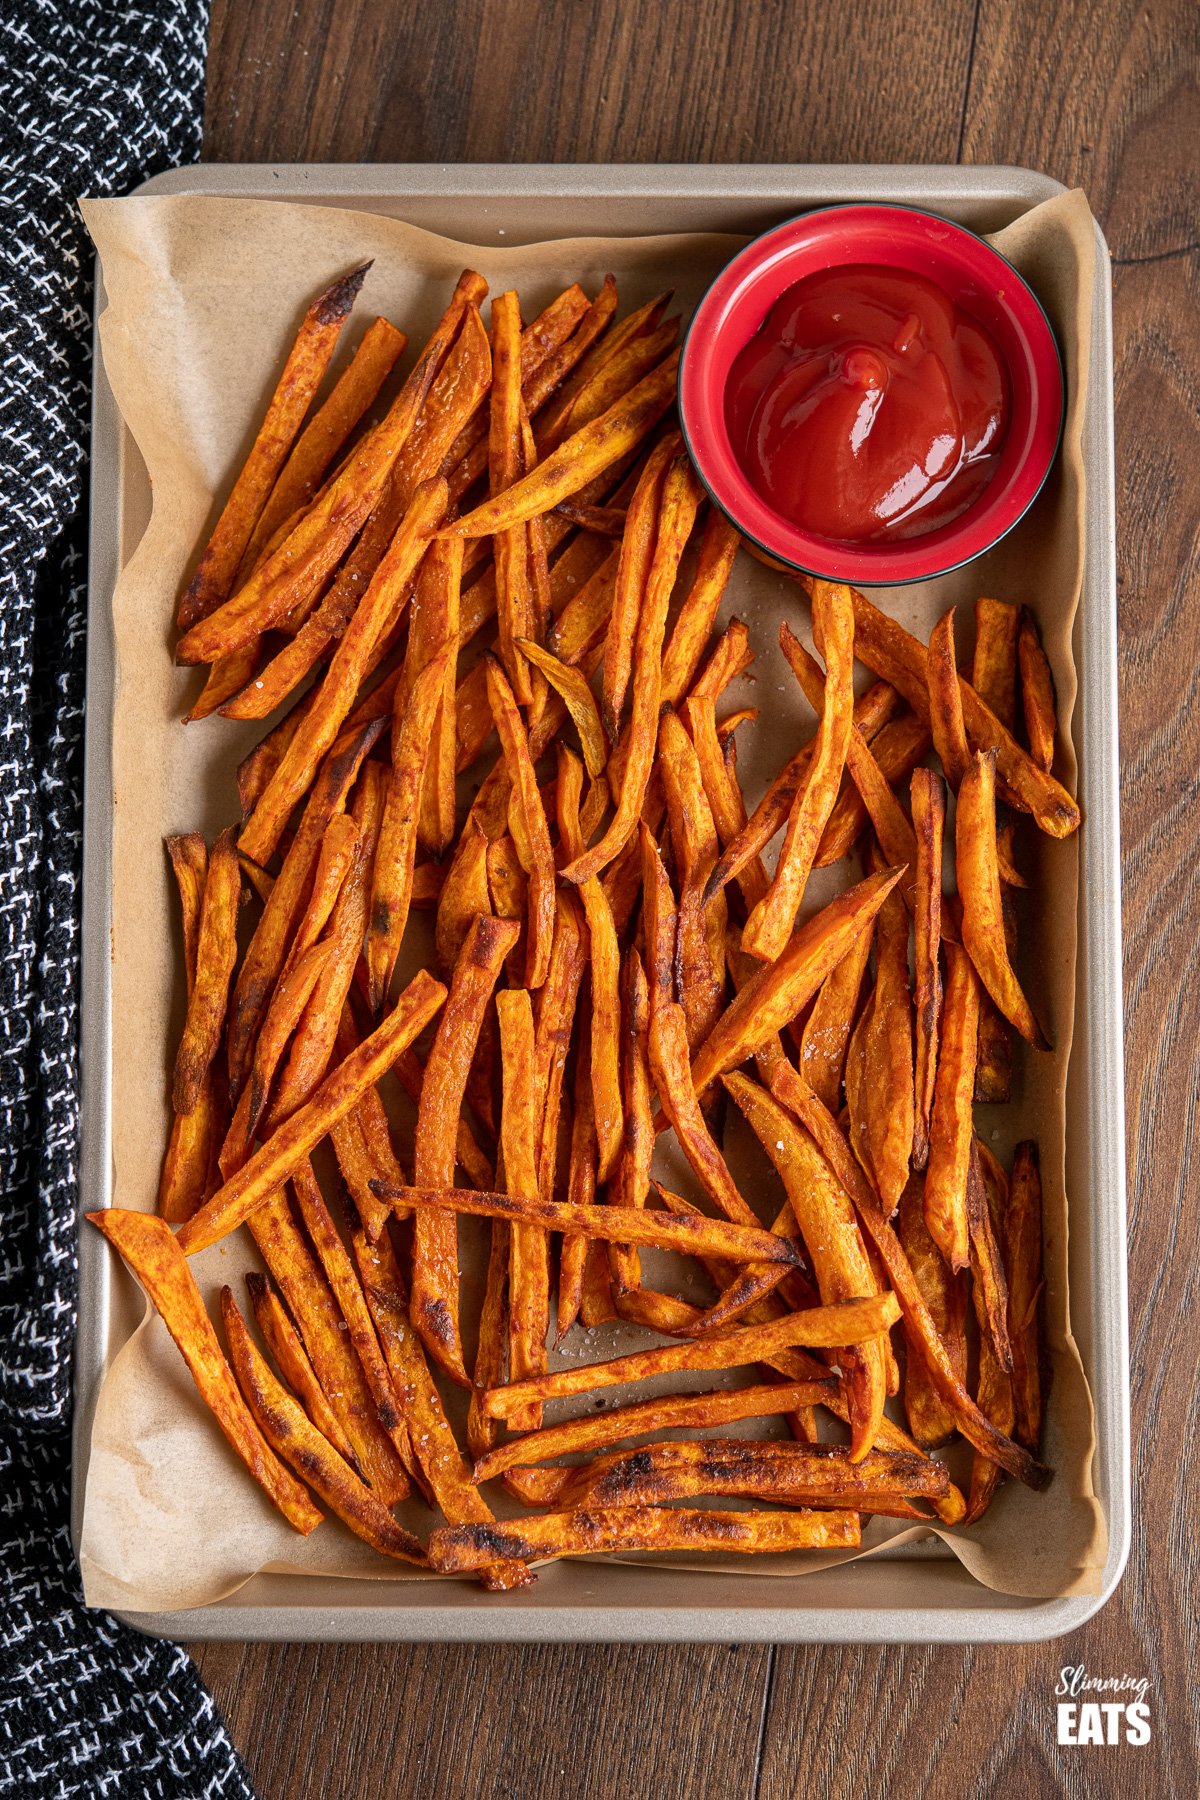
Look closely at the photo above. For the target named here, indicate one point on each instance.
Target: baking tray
(922, 1594)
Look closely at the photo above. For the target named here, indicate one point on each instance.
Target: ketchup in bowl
(868, 407)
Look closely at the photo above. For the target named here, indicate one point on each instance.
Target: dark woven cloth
(94, 96)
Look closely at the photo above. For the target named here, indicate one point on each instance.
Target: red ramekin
(980, 282)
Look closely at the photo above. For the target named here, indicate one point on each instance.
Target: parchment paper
(203, 298)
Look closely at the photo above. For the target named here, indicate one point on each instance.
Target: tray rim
(481, 1618)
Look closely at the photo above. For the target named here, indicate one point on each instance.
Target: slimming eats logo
(1120, 1717)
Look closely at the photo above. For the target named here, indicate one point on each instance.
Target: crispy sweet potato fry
(631, 1184)
(306, 363)
(555, 1012)
(879, 1063)
(719, 775)
(945, 702)
(929, 816)
(669, 1065)
(395, 860)
(896, 656)
(281, 1339)
(700, 930)
(288, 1002)
(806, 1474)
(327, 433)
(578, 460)
(772, 921)
(618, 1529)
(849, 1322)
(216, 953)
(464, 894)
(529, 1244)
(945, 1294)
(287, 1427)
(506, 465)
(376, 613)
(1025, 1284)
(572, 685)
(152, 1252)
(435, 1236)
(690, 1235)
(721, 1406)
(535, 830)
(429, 1430)
(609, 382)
(694, 621)
(195, 1135)
(982, 908)
(322, 1328)
(491, 1356)
(989, 1285)
(633, 571)
(189, 863)
(994, 1391)
(1037, 693)
(338, 848)
(896, 749)
(275, 1160)
(951, 1125)
(994, 669)
(433, 630)
(581, 1191)
(681, 498)
(826, 1034)
(776, 993)
(823, 1214)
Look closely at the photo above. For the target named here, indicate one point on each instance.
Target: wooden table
(1104, 96)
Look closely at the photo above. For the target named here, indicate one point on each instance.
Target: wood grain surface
(1104, 95)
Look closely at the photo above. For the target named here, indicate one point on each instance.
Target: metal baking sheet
(920, 1596)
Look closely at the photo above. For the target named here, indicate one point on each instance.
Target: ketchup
(867, 406)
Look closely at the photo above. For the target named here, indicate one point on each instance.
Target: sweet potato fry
(506, 465)
(152, 1252)
(195, 1135)
(464, 895)
(945, 1294)
(529, 1245)
(327, 432)
(608, 383)
(429, 1430)
(1025, 1285)
(633, 571)
(694, 621)
(297, 569)
(435, 1236)
(994, 1390)
(216, 953)
(994, 669)
(951, 1127)
(897, 748)
(772, 921)
(849, 1322)
(718, 774)
(619, 1529)
(338, 849)
(433, 631)
(982, 908)
(340, 1090)
(306, 363)
(879, 1063)
(290, 1432)
(395, 860)
(700, 931)
(535, 830)
(823, 1215)
(681, 498)
(689, 1235)
(798, 1474)
(376, 613)
(929, 816)
(776, 993)
(669, 1065)
(581, 1191)
(491, 1356)
(722, 1406)
(605, 521)
(189, 864)
(572, 685)
(608, 1108)
(288, 1003)
(945, 702)
(1037, 693)
(281, 1339)
(605, 341)
(578, 460)
(631, 1183)
(826, 1034)
(555, 1015)
(898, 657)
(989, 1281)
